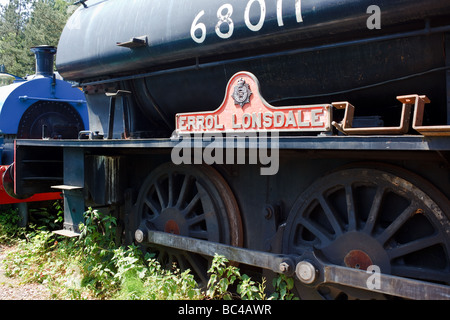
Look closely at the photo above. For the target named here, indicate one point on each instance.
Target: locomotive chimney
(44, 60)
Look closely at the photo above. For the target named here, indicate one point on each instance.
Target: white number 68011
(224, 13)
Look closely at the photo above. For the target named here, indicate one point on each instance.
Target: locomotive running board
(310, 270)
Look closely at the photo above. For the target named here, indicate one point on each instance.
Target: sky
(4, 1)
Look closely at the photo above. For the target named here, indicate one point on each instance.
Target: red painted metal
(245, 110)
(5, 198)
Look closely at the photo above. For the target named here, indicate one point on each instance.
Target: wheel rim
(361, 217)
(189, 201)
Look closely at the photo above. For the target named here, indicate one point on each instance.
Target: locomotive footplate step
(66, 233)
(66, 187)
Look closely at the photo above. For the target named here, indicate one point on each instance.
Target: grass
(94, 266)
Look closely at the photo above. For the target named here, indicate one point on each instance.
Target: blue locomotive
(40, 106)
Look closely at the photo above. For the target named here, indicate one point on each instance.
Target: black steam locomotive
(309, 138)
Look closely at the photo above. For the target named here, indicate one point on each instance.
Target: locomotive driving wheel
(360, 217)
(193, 201)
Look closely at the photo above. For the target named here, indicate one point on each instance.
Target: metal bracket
(112, 110)
(135, 42)
(409, 102)
(419, 105)
(346, 125)
(81, 2)
(91, 135)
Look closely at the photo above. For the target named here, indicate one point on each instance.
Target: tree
(28, 23)
(12, 40)
(46, 22)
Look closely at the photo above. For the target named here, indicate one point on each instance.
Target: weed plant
(95, 266)
(9, 229)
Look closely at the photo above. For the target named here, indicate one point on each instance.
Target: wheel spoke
(331, 216)
(196, 219)
(171, 190)
(352, 225)
(149, 203)
(316, 230)
(172, 258)
(374, 211)
(199, 234)
(414, 246)
(191, 204)
(160, 194)
(390, 231)
(181, 262)
(162, 255)
(183, 191)
(300, 248)
(197, 268)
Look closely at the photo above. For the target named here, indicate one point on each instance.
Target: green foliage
(31, 260)
(28, 23)
(9, 228)
(252, 290)
(112, 271)
(97, 242)
(124, 273)
(94, 266)
(48, 216)
(13, 52)
(283, 286)
(43, 218)
(156, 283)
(223, 275)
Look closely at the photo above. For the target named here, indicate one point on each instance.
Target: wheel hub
(172, 221)
(172, 227)
(358, 259)
(357, 250)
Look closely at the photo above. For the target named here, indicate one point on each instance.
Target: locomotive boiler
(349, 99)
